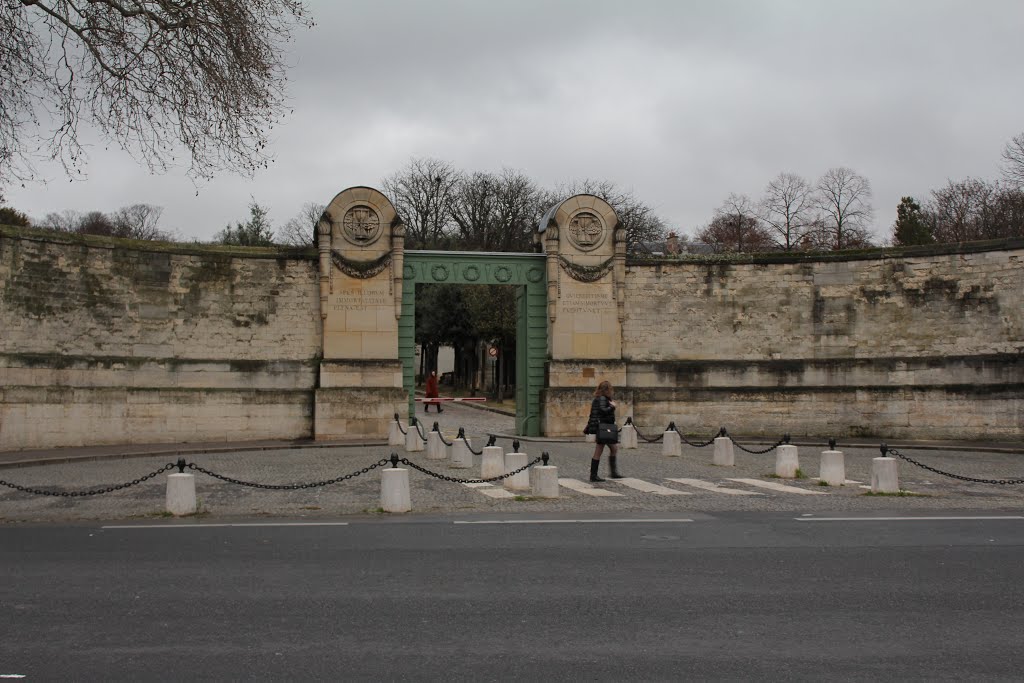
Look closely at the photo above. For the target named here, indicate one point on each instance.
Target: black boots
(593, 470)
(614, 467)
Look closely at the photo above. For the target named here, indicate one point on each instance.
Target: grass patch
(800, 474)
(822, 482)
(899, 494)
(523, 498)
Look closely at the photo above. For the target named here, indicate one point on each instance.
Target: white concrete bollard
(436, 450)
(492, 464)
(181, 494)
(885, 476)
(672, 444)
(394, 490)
(590, 438)
(395, 435)
(517, 482)
(413, 442)
(628, 438)
(833, 468)
(462, 457)
(787, 461)
(544, 481)
(724, 455)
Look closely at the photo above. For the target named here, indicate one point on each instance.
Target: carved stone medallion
(361, 225)
(585, 231)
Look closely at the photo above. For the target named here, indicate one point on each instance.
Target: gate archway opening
(526, 273)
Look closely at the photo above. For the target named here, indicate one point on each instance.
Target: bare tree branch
(157, 77)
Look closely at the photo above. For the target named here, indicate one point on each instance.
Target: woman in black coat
(602, 411)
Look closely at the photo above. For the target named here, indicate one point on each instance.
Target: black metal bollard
(885, 450)
(462, 433)
(515, 446)
(722, 432)
(181, 465)
(671, 427)
(785, 438)
(436, 428)
(394, 459)
(831, 444)
(491, 438)
(544, 457)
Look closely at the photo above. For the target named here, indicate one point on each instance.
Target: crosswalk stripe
(708, 486)
(491, 491)
(648, 487)
(779, 487)
(585, 488)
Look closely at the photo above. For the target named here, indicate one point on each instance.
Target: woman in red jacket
(431, 392)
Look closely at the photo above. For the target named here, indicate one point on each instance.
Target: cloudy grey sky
(681, 101)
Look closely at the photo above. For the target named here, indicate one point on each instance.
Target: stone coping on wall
(788, 257)
(191, 249)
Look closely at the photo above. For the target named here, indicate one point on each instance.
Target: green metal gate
(526, 272)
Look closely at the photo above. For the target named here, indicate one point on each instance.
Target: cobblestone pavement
(927, 491)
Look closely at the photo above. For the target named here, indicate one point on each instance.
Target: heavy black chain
(696, 444)
(400, 428)
(961, 477)
(288, 487)
(419, 430)
(647, 438)
(470, 447)
(755, 452)
(406, 461)
(91, 492)
(443, 440)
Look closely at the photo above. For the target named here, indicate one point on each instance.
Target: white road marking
(490, 490)
(583, 487)
(708, 486)
(213, 525)
(779, 487)
(897, 519)
(647, 487)
(12, 676)
(571, 521)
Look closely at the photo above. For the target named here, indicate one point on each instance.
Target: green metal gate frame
(527, 273)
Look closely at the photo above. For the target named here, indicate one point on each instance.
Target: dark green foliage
(912, 226)
(10, 216)
(255, 232)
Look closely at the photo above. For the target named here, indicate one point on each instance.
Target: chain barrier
(783, 440)
(91, 492)
(288, 487)
(892, 451)
(462, 435)
(695, 444)
(629, 421)
(400, 428)
(443, 440)
(413, 422)
(542, 457)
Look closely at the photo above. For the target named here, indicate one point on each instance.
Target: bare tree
(973, 209)
(844, 198)
(423, 193)
(787, 208)
(139, 222)
(151, 75)
(1013, 161)
(519, 206)
(63, 221)
(736, 227)
(300, 231)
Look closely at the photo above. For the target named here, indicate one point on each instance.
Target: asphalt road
(735, 595)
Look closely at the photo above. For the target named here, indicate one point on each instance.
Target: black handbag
(607, 433)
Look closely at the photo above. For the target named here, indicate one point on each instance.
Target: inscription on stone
(359, 300)
(586, 302)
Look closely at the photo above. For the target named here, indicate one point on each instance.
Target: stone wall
(111, 341)
(923, 342)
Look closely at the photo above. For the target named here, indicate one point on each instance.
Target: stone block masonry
(109, 341)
